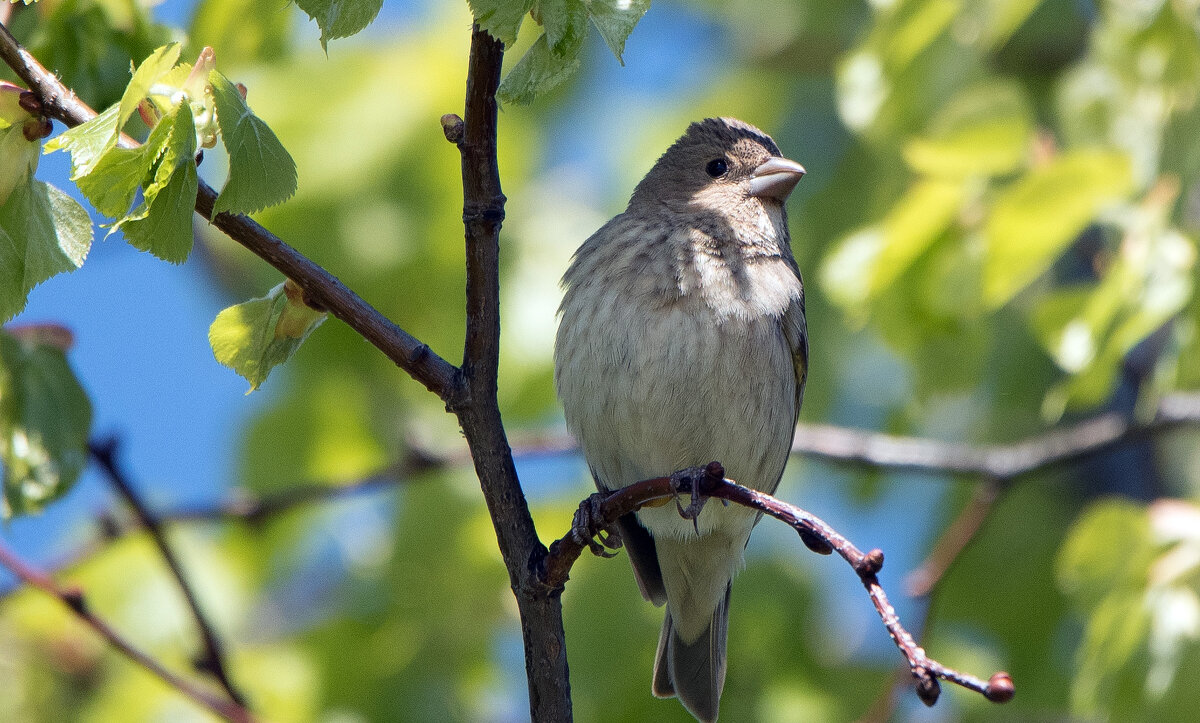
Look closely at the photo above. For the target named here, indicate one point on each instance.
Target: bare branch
(477, 408)
(321, 287)
(1002, 462)
(818, 536)
(74, 600)
(213, 658)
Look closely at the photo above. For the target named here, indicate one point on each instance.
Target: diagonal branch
(602, 510)
(74, 600)
(213, 658)
(321, 288)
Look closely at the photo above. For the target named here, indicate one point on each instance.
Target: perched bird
(682, 340)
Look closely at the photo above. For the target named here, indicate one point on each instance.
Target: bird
(682, 339)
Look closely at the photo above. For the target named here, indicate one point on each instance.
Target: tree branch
(320, 287)
(818, 536)
(73, 598)
(1002, 462)
(212, 659)
(477, 408)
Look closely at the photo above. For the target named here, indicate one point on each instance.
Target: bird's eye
(717, 167)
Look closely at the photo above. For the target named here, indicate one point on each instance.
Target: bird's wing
(795, 331)
(644, 558)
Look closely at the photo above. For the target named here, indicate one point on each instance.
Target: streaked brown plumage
(682, 341)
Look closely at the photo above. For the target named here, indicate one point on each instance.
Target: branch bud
(1000, 688)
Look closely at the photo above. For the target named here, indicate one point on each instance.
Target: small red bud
(873, 562)
(1000, 688)
(30, 103)
(715, 470)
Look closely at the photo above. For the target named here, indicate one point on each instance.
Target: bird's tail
(694, 671)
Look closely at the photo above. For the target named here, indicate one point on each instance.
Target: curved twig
(815, 533)
(73, 598)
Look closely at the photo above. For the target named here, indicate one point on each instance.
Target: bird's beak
(775, 178)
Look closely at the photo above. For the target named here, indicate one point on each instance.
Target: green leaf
(257, 335)
(984, 131)
(113, 182)
(87, 142)
(340, 18)
(18, 158)
(152, 69)
(162, 224)
(43, 232)
(615, 19)
(261, 173)
(540, 70)
(565, 21)
(1037, 217)
(501, 18)
(45, 417)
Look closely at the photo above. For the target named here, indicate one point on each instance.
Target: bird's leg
(588, 525)
(689, 478)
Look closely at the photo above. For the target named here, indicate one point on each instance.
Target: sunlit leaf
(983, 131)
(43, 232)
(261, 173)
(340, 18)
(45, 417)
(255, 336)
(162, 223)
(501, 18)
(114, 181)
(538, 71)
(565, 21)
(615, 19)
(1036, 217)
(147, 74)
(87, 142)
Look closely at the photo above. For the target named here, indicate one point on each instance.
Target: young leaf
(615, 19)
(1036, 217)
(340, 18)
(261, 173)
(501, 18)
(257, 335)
(18, 158)
(151, 70)
(113, 182)
(162, 224)
(538, 71)
(43, 232)
(87, 142)
(565, 21)
(45, 417)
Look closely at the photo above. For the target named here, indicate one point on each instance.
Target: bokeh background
(998, 234)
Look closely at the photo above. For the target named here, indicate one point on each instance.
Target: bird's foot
(689, 479)
(588, 528)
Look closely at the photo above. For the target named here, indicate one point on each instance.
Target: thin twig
(212, 659)
(957, 536)
(74, 600)
(817, 535)
(410, 354)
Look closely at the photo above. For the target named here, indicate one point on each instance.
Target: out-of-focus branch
(598, 512)
(321, 288)
(73, 598)
(212, 659)
(1046, 449)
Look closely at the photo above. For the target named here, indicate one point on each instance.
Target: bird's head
(719, 163)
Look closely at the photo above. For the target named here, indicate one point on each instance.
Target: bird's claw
(689, 478)
(588, 528)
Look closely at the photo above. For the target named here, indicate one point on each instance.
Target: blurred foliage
(999, 232)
